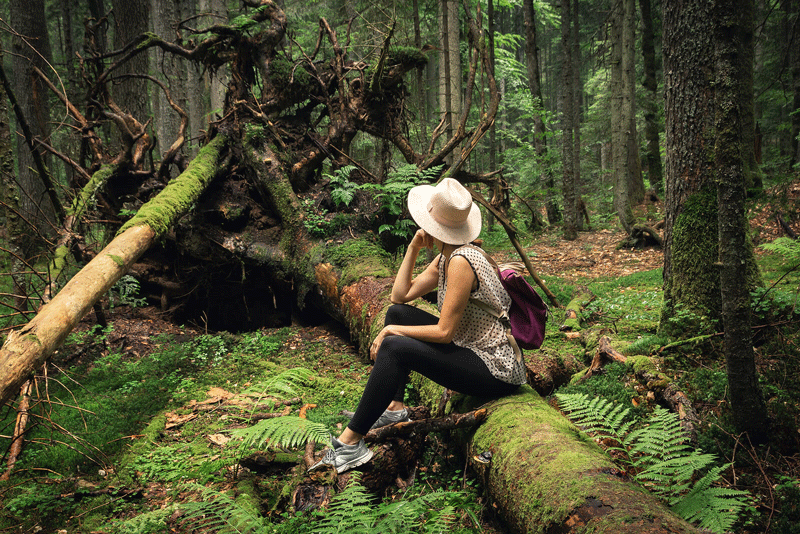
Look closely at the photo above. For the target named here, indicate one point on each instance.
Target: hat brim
(418, 199)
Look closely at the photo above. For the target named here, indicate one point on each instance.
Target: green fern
(660, 457)
(218, 512)
(599, 416)
(282, 432)
(352, 511)
(786, 247)
(283, 384)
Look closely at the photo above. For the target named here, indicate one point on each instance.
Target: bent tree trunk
(26, 349)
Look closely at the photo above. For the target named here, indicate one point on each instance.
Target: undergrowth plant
(352, 511)
(658, 454)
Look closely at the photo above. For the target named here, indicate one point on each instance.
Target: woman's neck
(448, 249)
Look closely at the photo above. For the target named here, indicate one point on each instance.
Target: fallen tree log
(544, 475)
(573, 315)
(26, 349)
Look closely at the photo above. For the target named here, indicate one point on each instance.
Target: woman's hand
(376, 344)
(421, 240)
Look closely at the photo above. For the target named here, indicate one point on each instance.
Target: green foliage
(786, 247)
(392, 196)
(342, 189)
(282, 432)
(152, 522)
(126, 292)
(658, 455)
(314, 221)
(353, 510)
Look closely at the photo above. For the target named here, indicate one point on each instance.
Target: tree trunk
(793, 53)
(449, 68)
(655, 171)
(28, 19)
(131, 19)
(545, 476)
(620, 121)
(733, 22)
(566, 95)
(170, 70)
(539, 126)
(691, 281)
(26, 349)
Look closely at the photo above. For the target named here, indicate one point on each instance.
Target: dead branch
(21, 424)
(605, 354)
(425, 426)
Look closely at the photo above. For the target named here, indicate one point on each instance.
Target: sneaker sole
(355, 462)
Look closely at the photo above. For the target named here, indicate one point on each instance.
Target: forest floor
(136, 337)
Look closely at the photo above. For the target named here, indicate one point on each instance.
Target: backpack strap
(502, 317)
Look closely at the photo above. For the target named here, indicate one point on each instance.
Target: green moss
(694, 284)
(117, 259)
(357, 258)
(642, 363)
(182, 192)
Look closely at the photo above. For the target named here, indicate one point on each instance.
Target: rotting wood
(605, 353)
(17, 440)
(27, 348)
(573, 315)
(544, 475)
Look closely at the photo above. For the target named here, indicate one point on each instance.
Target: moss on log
(26, 349)
(546, 476)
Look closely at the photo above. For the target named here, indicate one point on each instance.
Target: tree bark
(549, 477)
(655, 169)
(26, 349)
(132, 19)
(622, 115)
(28, 20)
(567, 97)
(691, 281)
(733, 20)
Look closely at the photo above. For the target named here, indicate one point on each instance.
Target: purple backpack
(528, 313)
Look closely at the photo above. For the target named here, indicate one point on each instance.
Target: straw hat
(445, 211)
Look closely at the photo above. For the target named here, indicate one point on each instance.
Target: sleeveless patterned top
(478, 330)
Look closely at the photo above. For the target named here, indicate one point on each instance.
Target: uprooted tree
(229, 239)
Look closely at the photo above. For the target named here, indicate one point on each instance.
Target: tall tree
(628, 188)
(691, 235)
(31, 46)
(792, 14)
(532, 65)
(170, 70)
(655, 169)
(131, 19)
(449, 67)
(734, 66)
(567, 98)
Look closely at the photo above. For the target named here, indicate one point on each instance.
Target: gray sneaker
(344, 457)
(389, 418)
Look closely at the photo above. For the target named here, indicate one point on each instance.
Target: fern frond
(283, 432)
(218, 512)
(353, 511)
(597, 415)
(282, 384)
(715, 509)
(661, 439)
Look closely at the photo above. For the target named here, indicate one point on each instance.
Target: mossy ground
(105, 458)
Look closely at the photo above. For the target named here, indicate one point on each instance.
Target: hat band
(445, 221)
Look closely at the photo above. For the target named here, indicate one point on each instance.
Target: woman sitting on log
(464, 349)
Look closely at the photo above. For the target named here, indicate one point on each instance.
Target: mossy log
(545, 475)
(573, 316)
(26, 349)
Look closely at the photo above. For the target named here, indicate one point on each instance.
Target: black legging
(447, 364)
